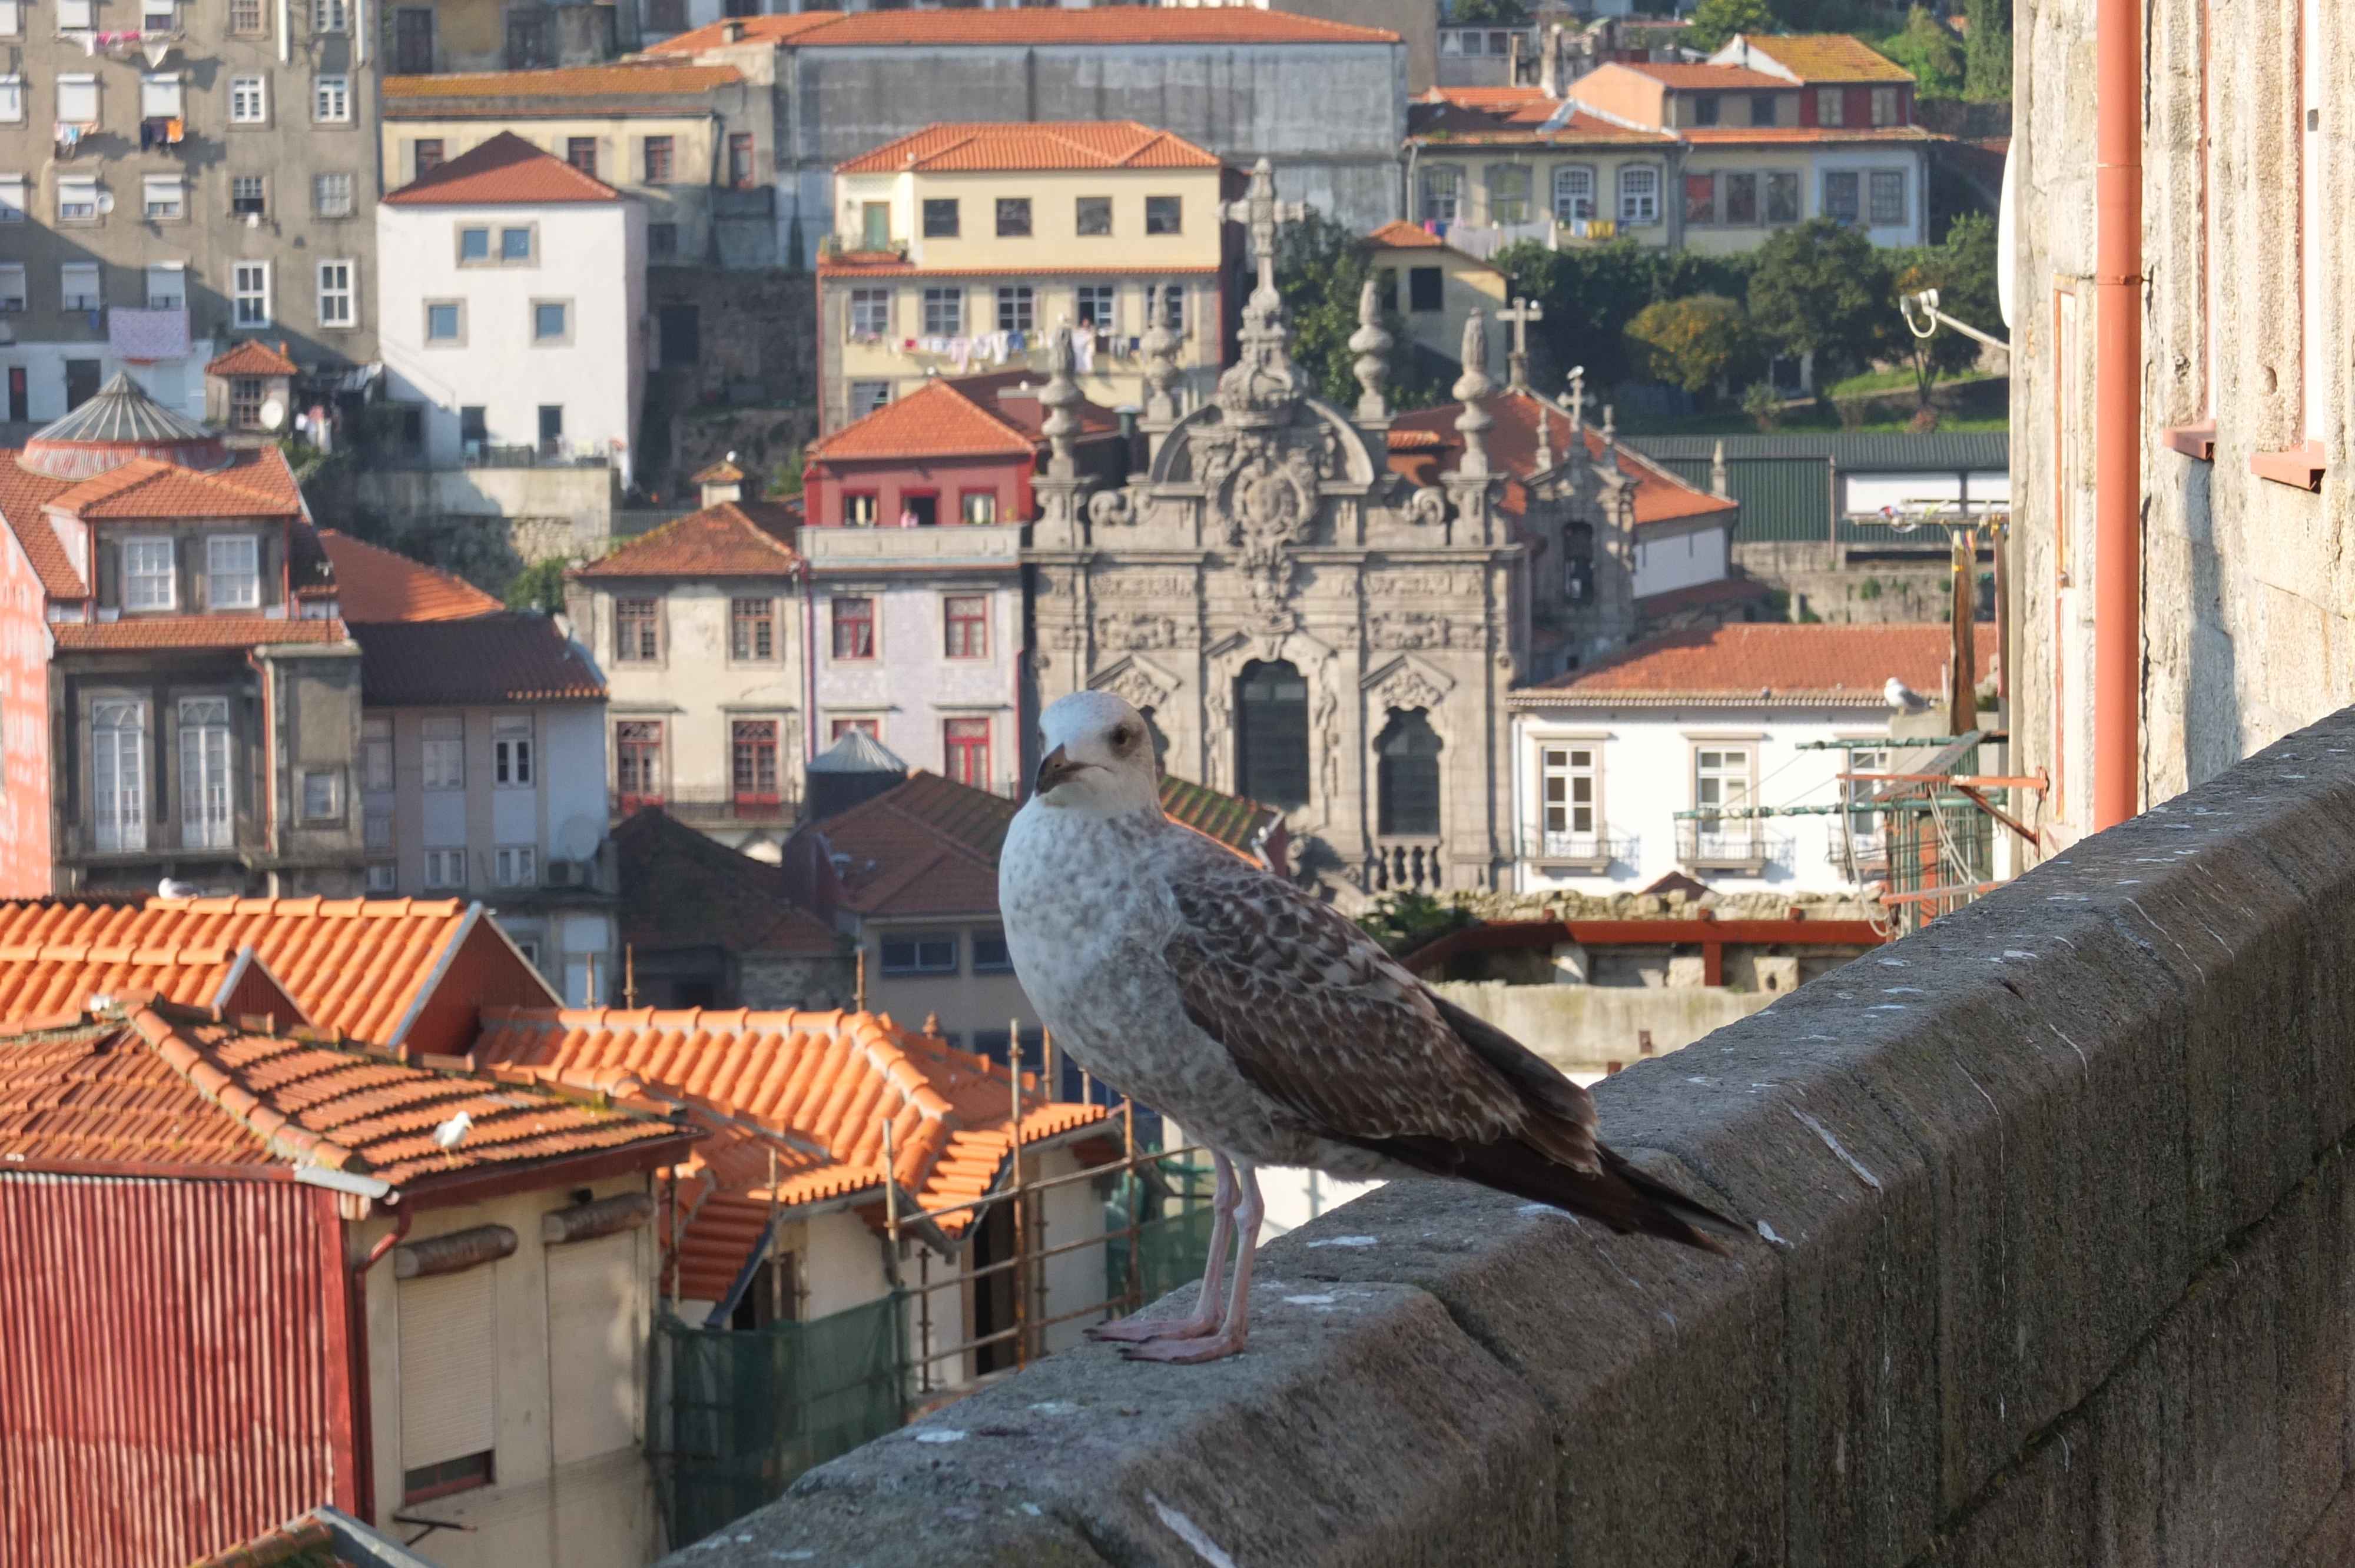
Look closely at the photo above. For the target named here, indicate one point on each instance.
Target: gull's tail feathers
(1617, 1194)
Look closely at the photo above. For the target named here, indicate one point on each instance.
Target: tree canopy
(1694, 342)
(1494, 13)
(1716, 21)
(1592, 292)
(1928, 48)
(1320, 269)
(1823, 288)
(1988, 51)
(1962, 271)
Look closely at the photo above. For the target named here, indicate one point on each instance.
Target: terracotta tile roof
(1723, 592)
(1400, 235)
(926, 847)
(870, 264)
(1398, 441)
(1690, 77)
(505, 170)
(1240, 825)
(812, 1090)
(373, 585)
(358, 966)
(1013, 396)
(1725, 135)
(1746, 663)
(190, 631)
(1026, 145)
(939, 418)
(1540, 121)
(734, 539)
(624, 79)
(23, 493)
(510, 657)
(681, 888)
(256, 484)
(1101, 26)
(1823, 57)
(1660, 496)
(253, 357)
(721, 472)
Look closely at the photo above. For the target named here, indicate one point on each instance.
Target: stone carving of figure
(1218, 728)
(1160, 348)
(1326, 725)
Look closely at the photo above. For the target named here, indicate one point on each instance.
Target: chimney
(1549, 61)
(721, 482)
(731, 31)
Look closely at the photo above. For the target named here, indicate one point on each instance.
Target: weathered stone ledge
(2055, 1263)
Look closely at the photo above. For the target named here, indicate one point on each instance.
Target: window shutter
(592, 1314)
(448, 1366)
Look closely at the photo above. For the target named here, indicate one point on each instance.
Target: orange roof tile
(937, 419)
(619, 80)
(1115, 25)
(191, 631)
(1660, 496)
(1723, 135)
(375, 585)
(812, 1091)
(364, 967)
(1539, 121)
(1032, 144)
(24, 493)
(732, 539)
(1400, 235)
(1823, 56)
(160, 1087)
(1696, 77)
(721, 472)
(255, 484)
(505, 170)
(1748, 663)
(252, 357)
(927, 847)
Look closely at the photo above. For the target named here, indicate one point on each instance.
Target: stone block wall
(2050, 1258)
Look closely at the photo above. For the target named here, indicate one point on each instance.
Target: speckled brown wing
(1320, 1018)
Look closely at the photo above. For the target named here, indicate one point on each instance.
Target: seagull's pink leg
(1224, 1195)
(1237, 1326)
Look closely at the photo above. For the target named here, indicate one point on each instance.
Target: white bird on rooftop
(172, 887)
(452, 1133)
(1268, 1025)
(1904, 698)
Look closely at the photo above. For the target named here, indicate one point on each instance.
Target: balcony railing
(1722, 844)
(1406, 864)
(1594, 852)
(711, 805)
(556, 453)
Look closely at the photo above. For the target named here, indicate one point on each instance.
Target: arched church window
(1272, 734)
(1407, 774)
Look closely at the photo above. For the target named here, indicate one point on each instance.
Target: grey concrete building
(1325, 101)
(174, 177)
(2246, 398)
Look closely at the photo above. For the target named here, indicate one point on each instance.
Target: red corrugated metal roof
(812, 1090)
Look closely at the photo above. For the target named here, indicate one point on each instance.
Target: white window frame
(1724, 837)
(12, 18)
(381, 880)
(514, 865)
(68, 299)
(118, 772)
(1569, 204)
(442, 754)
(1873, 181)
(169, 192)
(12, 285)
(1884, 106)
(1823, 195)
(208, 784)
(242, 582)
(376, 755)
(1639, 194)
(15, 193)
(250, 292)
(445, 871)
(11, 96)
(77, 199)
(337, 297)
(1832, 106)
(149, 573)
(173, 295)
(248, 101)
(1104, 299)
(511, 752)
(167, 12)
(870, 312)
(331, 98)
(77, 14)
(71, 91)
(1569, 819)
(330, 17)
(1453, 202)
(321, 184)
(1173, 309)
(943, 313)
(163, 95)
(319, 794)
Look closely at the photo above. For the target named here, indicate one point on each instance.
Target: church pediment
(1143, 682)
(1407, 682)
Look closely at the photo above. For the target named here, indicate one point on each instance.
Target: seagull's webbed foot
(1187, 1353)
(1204, 1320)
(1236, 1328)
(1143, 1330)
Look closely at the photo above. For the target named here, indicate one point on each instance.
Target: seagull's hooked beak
(1056, 766)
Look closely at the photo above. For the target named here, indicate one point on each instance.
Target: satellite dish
(2007, 243)
(577, 837)
(273, 413)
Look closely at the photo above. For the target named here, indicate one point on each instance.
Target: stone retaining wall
(2053, 1262)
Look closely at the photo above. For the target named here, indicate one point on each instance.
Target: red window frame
(752, 745)
(854, 628)
(581, 151)
(966, 744)
(752, 629)
(637, 630)
(740, 160)
(638, 763)
(966, 625)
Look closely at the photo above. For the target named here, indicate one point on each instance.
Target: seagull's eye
(1120, 735)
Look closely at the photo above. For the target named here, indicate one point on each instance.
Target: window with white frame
(118, 775)
(164, 198)
(78, 202)
(328, 16)
(77, 13)
(12, 285)
(382, 879)
(77, 286)
(511, 751)
(250, 292)
(205, 786)
(160, 96)
(320, 794)
(870, 312)
(159, 16)
(1639, 194)
(335, 294)
(331, 195)
(376, 753)
(12, 199)
(1885, 195)
(1832, 106)
(445, 869)
(514, 865)
(444, 752)
(234, 571)
(1842, 202)
(149, 581)
(1508, 193)
(1573, 194)
(1884, 106)
(943, 313)
(1722, 783)
(78, 100)
(248, 101)
(11, 101)
(1442, 194)
(1017, 308)
(12, 18)
(331, 99)
(1173, 309)
(1570, 796)
(167, 286)
(1097, 306)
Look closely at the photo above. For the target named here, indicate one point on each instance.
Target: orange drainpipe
(2117, 411)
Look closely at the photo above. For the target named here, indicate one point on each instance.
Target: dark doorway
(1408, 777)
(775, 1294)
(82, 382)
(682, 336)
(1272, 734)
(994, 1295)
(19, 408)
(412, 41)
(924, 509)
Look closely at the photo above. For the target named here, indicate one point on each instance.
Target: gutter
(2118, 88)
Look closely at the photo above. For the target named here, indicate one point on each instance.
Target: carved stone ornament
(1141, 685)
(1112, 508)
(1427, 507)
(1407, 691)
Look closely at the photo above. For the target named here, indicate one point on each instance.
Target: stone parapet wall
(2052, 1260)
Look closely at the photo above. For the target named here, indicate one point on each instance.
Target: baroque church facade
(1305, 625)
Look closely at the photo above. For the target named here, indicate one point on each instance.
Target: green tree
(1491, 13)
(1693, 343)
(1592, 291)
(539, 586)
(1988, 51)
(1962, 269)
(787, 481)
(1822, 288)
(1928, 48)
(1715, 21)
(1320, 269)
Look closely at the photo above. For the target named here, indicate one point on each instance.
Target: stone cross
(1578, 397)
(1517, 362)
(1262, 212)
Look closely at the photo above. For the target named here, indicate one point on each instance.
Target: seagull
(452, 1133)
(1268, 1025)
(1904, 698)
(172, 887)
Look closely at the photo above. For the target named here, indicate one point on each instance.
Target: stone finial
(1610, 436)
(1470, 388)
(1517, 355)
(1061, 427)
(1160, 348)
(1372, 345)
(1716, 469)
(1544, 458)
(1577, 399)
